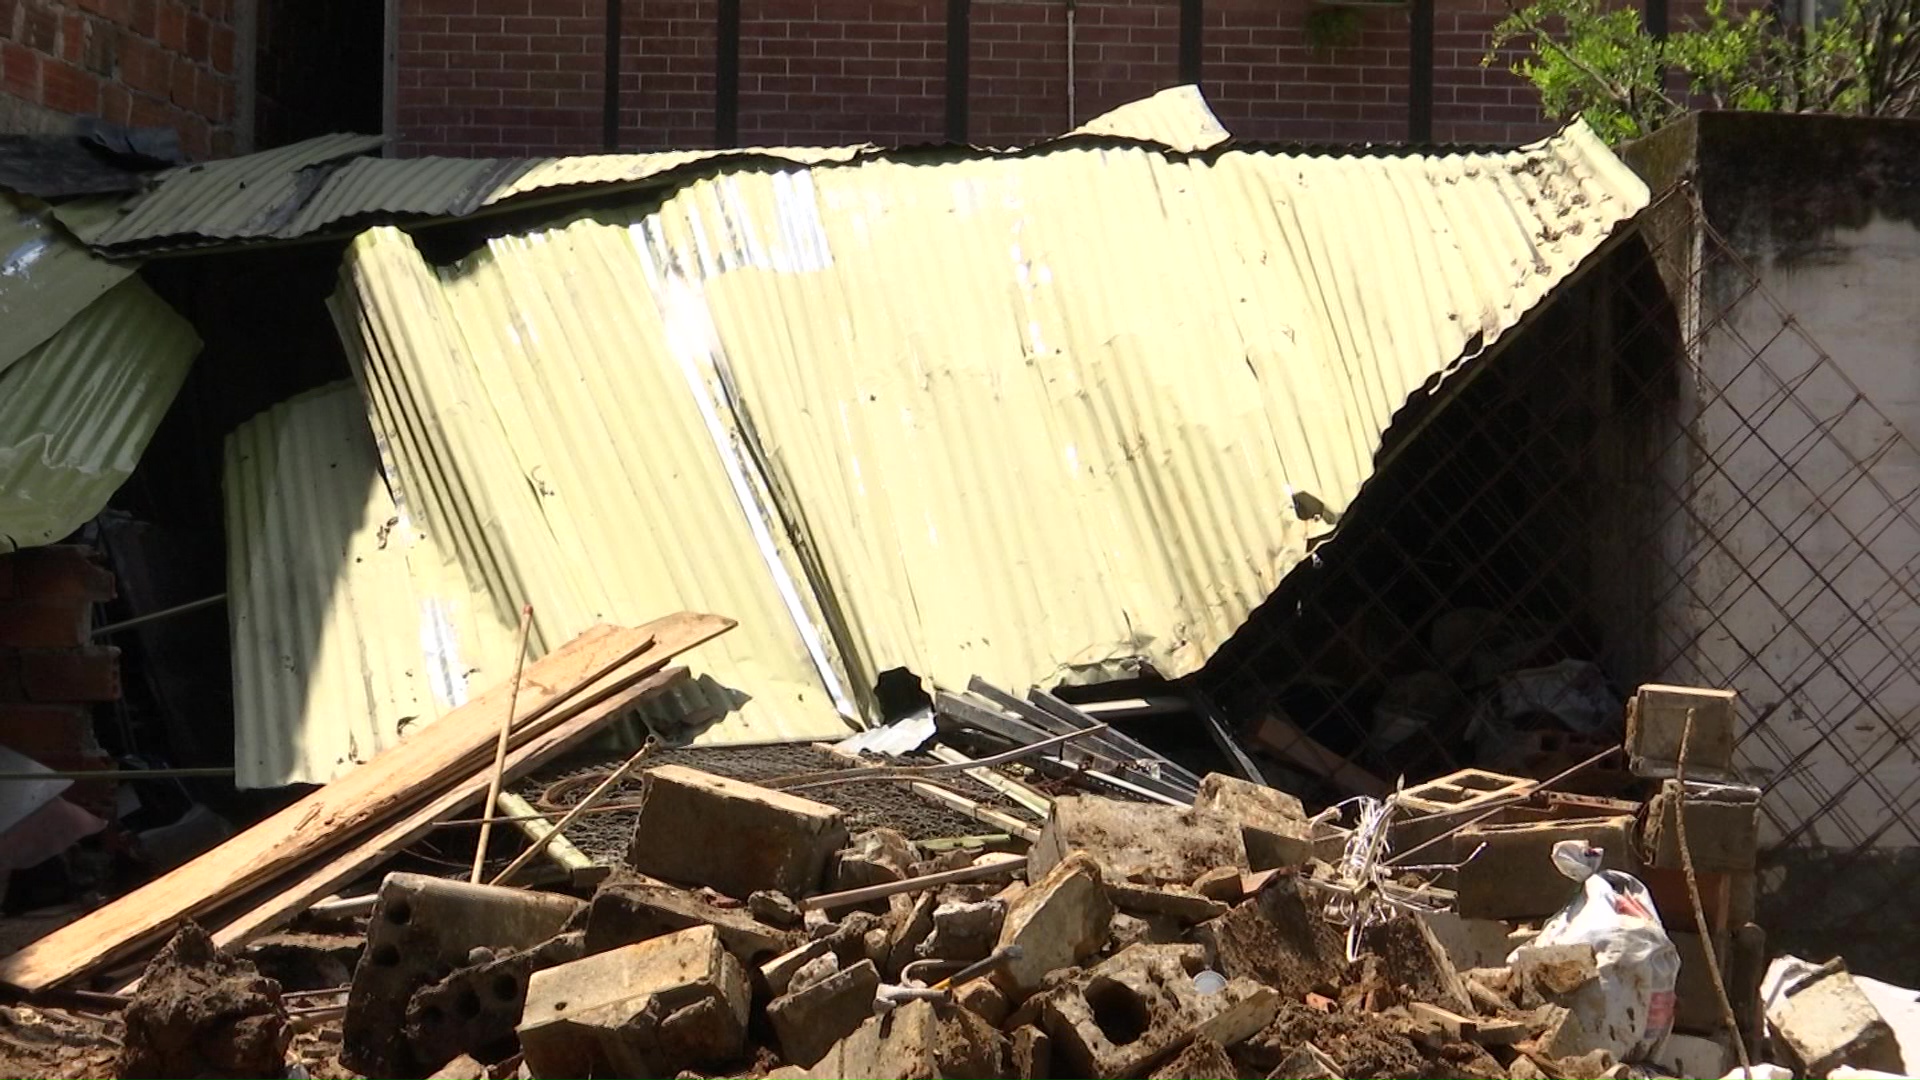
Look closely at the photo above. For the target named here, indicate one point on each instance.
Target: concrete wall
(1793, 538)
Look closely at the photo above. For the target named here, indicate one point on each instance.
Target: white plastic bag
(1613, 912)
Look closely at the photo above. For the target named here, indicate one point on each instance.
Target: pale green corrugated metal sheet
(76, 411)
(1019, 417)
(45, 277)
(1178, 118)
(349, 626)
(238, 198)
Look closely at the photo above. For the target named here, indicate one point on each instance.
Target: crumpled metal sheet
(349, 626)
(77, 410)
(1177, 118)
(1025, 417)
(46, 278)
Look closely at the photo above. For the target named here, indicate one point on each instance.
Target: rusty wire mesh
(1660, 476)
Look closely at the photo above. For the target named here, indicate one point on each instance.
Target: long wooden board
(342, 811)
(278, 910)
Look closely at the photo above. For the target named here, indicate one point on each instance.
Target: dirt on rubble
(1406, 963)
(1366, 1046)
(54, 1044)
(202, 1013)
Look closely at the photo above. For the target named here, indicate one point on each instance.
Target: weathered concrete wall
(1795, 547)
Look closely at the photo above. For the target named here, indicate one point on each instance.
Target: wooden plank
(277, 910)
(343, 810)
(1284, 737)
(990, 865)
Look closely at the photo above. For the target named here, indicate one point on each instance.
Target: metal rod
(989, 866)
(538, 830)
(155, 616)
(593, 796)
(506, 730)
(120, 774)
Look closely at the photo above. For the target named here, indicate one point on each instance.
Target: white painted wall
(1801, 570)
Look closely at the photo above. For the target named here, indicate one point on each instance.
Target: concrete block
(1203, 1059)
(1723, 831)
(1513, 876)
(1058, 922)
(625, 911)
(1829, 1022)
(1178, 904)
(1136, 1010)
(1470, 943)
(647, 1009)
(1657, 716)
(1691, 1055)
(734, 836)
(475, 1009)
(1224, 883)
(808, 1022)
(1273, 824)
(775, 909)
(1031, 1054)
(1152, 845)
(963, 932)
(1144, 930)
(421, 929)
(983, 999)
(874, 857)
(780, 971)
(918, 1041)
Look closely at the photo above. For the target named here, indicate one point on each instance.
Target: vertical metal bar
(1192, 13)
(726, 75)
(959, 41)
(610, 96)
(1420, 72)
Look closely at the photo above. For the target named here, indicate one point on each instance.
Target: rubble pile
(1477, 925)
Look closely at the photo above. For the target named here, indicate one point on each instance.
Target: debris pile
(1151, 923)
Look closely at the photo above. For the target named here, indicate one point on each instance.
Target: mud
(203, 1013)
(57, 1045)
(1365, 1046)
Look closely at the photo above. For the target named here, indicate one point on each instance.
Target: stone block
(421, 929)
(808, 1022)
(1691, 1055)
(918, 1041)
(1723, 832)
(1273, 824)
(983, 999)
(1829, 1022)
(1657, 716)
(874, 857)
(775, 909)
(625, 911)
(1513, 876)
(648, 1009)
(1060, 920)
(1203, 1059)
(1136, 1010)
(780, 971)
(1176, 903)
(964, 932)
(730, 835)
(1470, 943)
(1152, 845)
(1277, 938)
(1030, 1054)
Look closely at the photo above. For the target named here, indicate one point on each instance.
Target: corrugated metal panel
(45, 277)
(1023, 417)
(76, 412)
(1178, 118)
(594, 170)
(243, 197)
(392, 187)
(349, 626)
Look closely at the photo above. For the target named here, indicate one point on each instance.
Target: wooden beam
(344, 810)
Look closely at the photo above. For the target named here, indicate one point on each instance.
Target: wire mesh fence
(1661, 476)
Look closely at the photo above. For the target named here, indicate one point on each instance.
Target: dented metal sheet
(237, 198)
(1178, 118)
(1026, 417)
(350, 627)
(77, 410)
(46, 278)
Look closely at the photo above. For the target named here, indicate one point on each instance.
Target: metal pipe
(155, 616)
(1073, 114)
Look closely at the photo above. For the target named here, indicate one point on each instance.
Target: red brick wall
(524, 76)
(162, 63)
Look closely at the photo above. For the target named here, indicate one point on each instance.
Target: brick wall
(162, 63)
(51, 675)
(525, 76)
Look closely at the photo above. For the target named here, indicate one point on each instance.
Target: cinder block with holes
(1458, 791)
(422, 930)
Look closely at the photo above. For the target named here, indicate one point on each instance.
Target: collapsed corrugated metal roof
(349, 625)
(76, 411)
(45, 278)
(1026, 417)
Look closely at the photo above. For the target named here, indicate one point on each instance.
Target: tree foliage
(1595, 59)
